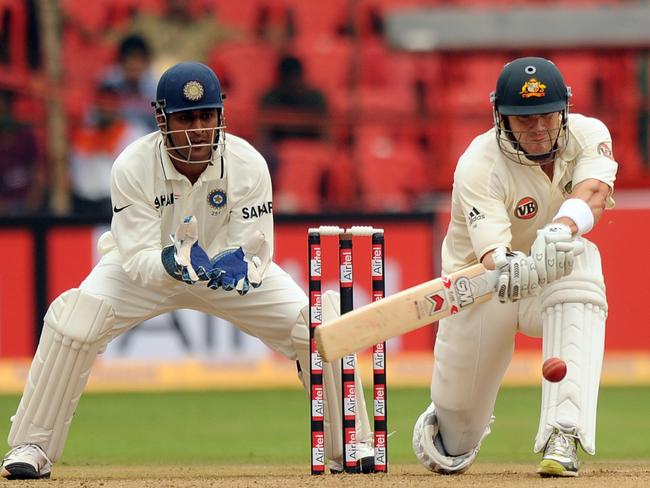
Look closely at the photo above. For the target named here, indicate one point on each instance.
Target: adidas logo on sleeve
(475, 215)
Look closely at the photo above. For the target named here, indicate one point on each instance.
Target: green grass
(270, 426)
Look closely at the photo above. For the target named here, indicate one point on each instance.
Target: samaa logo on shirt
(257, 210)
(165, 200)
(526, 208)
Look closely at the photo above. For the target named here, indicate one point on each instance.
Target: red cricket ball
(554, 369)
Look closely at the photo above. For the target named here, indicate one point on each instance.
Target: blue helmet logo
(188, 86)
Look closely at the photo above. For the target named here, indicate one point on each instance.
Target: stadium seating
(246, 70)
(319, 20)
(391, 166)
(328, 66)
(241, 14)
(14, 19)
(409, 116)
(314, 177)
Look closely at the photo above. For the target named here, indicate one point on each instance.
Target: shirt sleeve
(136, 227)
(482, 198)
(596, 160)
(253, 207)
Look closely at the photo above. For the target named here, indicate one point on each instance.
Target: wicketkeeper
(192, 228)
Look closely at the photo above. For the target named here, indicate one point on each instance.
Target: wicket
(348, 363)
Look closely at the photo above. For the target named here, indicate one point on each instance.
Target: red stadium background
(411, 258)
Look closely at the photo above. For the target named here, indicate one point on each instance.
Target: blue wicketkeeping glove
(185, 260)
(241, 267)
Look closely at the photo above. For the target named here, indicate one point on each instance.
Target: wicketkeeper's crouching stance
(214, 199)
(524, 194)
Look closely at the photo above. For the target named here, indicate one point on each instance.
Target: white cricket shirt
(497, 202)
(151, 198)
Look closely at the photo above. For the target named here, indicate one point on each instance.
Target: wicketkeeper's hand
(185, 260)
(241, 267)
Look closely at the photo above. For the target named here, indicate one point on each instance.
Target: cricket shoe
(560, 455)
(430, 450)
(25, 462)
(365, 463)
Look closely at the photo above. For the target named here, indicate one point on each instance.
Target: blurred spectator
(93, 149)
(292, 108)
(292, 127)
(180, 32)
(134, 80)
(22, 168)
(275, 24)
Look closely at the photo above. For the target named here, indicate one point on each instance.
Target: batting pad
(75, 328)
(574, 310)
(332, 386)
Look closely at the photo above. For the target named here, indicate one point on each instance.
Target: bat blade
(405, 311)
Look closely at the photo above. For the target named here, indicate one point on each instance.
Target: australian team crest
(217, 200)
(533, 88)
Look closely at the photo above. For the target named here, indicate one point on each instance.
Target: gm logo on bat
(460, 295)
(463, 289)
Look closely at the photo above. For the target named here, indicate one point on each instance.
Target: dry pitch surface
(593, 475)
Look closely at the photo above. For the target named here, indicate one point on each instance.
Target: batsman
(192, 228)
(525, 193)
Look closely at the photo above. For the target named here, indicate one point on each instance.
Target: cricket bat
(405, 311)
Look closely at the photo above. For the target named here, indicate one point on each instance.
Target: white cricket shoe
(26, 461)
(365, 463)
(560, 455)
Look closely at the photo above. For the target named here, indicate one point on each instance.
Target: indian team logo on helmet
(533, 88)
(217, 199)
(193, 91)
(526, 208)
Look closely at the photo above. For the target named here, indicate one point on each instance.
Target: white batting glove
(518, 275)
(554, 251)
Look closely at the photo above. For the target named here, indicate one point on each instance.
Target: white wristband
(577, 210)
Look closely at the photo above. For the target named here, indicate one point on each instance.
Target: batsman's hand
(518, 275)
(185, 260)
(553, 252)
(241, 267)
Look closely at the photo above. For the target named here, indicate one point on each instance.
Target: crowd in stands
(345, 122)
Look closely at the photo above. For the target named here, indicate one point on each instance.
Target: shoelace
(561, 444)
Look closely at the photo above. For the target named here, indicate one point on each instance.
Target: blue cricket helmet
(188, 86)
(530, 86)
(526, 87)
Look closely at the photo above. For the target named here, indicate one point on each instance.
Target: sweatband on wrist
(579, 211)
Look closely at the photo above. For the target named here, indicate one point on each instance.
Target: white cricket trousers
(269, 312)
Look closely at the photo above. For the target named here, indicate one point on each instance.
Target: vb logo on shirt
(526, 208)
